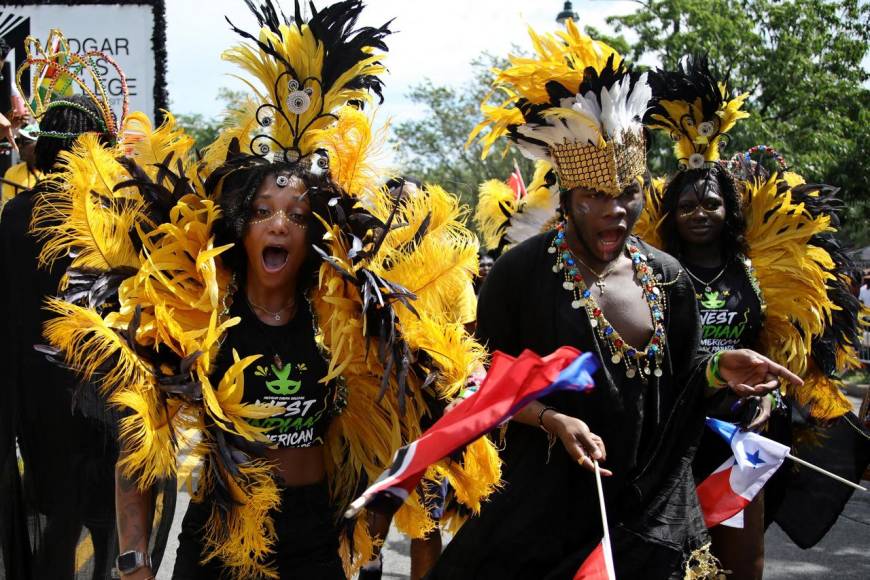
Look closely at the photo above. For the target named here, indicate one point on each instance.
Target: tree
(801, 63)
(433, 149)
(205, 130)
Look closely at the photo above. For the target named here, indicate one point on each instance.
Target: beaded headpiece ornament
(694, 108)
(306, 71)
(576, 105)
(57, 73)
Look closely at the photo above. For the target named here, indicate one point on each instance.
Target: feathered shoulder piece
(303, 72)
(811, 321)
(576, 105)
(506, 217)
(56, 72)
(693, 106)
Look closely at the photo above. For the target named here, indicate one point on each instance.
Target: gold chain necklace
(600, 276)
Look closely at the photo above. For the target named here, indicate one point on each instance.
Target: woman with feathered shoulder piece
(269, 308)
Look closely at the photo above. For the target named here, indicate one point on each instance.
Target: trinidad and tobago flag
(736, 482)
(510, 384)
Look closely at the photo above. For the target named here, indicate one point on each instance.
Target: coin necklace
(637, 362)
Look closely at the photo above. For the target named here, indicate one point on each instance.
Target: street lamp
(566, 13)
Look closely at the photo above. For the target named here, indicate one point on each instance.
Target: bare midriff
(298, 466)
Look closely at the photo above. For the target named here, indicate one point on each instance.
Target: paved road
(844, 554)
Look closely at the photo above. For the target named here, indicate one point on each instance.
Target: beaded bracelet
(714, 378)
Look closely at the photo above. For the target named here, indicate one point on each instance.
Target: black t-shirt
(288, 374)
(730, 308)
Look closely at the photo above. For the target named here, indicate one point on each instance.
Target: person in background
(485, 262)
(25, 172)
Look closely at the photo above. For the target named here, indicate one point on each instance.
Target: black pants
(307, 544)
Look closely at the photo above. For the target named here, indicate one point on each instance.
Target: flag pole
(825, 472)
(605, 543)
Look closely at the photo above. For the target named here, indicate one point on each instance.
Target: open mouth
(611, 239)
(274, 258)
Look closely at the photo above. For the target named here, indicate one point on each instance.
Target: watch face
(127, 562)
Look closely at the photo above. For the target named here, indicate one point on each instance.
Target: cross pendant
(601, 285)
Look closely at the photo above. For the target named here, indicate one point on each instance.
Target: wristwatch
(131, 560)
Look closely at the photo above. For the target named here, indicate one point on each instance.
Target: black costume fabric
(287, 375)
(307, 538)
(730, 311)
(545, 521)
(57, 511)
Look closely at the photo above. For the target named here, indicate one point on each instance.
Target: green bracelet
(714, 378)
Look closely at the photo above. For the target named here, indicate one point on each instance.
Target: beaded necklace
(637, 362)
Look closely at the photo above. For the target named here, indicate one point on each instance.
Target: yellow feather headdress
(577, 106)
(694, 108)
(56, 72)
(303, 72)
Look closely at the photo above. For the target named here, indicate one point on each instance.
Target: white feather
(530, 221)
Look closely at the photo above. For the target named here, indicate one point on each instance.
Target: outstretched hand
(749, 373)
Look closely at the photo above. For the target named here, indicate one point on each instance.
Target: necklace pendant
(601, 285)
(707, 289)
(279, 364)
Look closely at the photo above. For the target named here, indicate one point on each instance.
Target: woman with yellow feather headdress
(590, 284)
(251, 307)
(767, 275)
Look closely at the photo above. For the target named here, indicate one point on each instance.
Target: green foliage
(801, 63)
(433, 148)
(205, 130)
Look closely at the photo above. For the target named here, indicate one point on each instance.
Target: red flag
(510, 385)
(594, 567)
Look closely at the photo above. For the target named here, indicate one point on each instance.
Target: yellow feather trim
(496, 203)
(353, 149)
(242, 539)
(648, 226)
(148, 146)
(86, 215)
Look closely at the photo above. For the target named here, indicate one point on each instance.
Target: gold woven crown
(609, 169)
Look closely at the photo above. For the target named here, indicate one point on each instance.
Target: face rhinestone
(282, 181)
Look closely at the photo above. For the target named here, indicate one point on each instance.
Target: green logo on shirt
(283, 385)
(711, 300)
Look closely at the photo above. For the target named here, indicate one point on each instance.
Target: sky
(433, 39)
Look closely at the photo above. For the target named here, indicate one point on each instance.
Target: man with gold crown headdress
(268, 308)
(589, 283)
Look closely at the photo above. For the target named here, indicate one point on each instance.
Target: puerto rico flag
(736, 482)
(510, 384)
